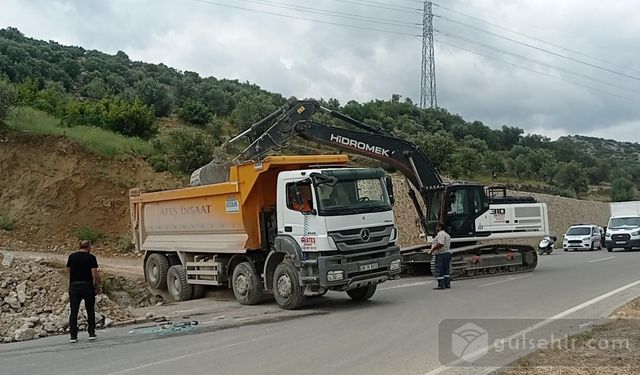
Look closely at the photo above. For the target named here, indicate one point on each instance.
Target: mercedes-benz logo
(365, 235)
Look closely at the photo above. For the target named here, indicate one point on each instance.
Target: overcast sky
(309, 59)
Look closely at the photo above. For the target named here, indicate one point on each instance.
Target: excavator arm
(294, 120)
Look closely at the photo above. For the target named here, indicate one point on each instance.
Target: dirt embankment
(563, 212)
(51, 186)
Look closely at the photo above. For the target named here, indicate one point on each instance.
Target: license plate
(620, 242)
(369, 267)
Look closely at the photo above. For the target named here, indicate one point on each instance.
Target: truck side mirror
(389, 182)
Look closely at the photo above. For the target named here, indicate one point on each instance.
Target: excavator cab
(457, 206)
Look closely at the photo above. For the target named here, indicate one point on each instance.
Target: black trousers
(442, 268)
(78, 291)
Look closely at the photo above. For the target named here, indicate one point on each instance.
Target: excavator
(476, 217)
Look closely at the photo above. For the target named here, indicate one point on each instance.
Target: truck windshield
(352, 196)
(624, 222)
(579, 231)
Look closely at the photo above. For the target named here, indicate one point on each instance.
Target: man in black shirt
(84, 284)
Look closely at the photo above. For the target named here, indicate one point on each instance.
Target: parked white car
(582, 237)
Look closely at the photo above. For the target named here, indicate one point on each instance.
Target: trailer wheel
(177, 284)
(247, 286)
(286, 287)
(155, 269)
(362, 294)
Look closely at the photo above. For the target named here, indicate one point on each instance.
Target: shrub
(6, 223)
(7, 99)
(88, 233)
(184, 150)
(125, 243)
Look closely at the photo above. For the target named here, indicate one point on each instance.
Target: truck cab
(340, 223)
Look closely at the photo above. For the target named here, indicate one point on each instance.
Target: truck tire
(155, 270)
(247, 286)
(362, 294)
(609, 249)
(177, 284)
(286, 287)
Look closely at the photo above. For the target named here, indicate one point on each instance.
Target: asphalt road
(394, 333)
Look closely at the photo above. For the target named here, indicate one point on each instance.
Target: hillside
(51, 187)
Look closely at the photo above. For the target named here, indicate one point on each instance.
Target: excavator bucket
(211, 173)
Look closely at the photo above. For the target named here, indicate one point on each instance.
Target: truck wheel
(286, 287)
(177, 284)
(155, 268)
(362, 294)
(609, 249)
(247, 286)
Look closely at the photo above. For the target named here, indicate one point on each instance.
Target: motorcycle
(547, 244)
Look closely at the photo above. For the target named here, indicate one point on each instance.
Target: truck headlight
(586, 238)
(335, 275)
(607, 235)
(332, 243)
(636, 233)
(394, 235)
(394, 265)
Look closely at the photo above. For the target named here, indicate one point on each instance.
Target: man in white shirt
(441, 250)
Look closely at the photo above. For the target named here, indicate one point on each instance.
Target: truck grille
(620, 237)
(574, 242)
(354, 241)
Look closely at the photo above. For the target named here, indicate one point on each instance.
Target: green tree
(7, 99)
(152, 93)
(195, 112)
(572, 176)
(186, 150)
(96, 89)
(622, 189)
(494, 163)
(464, 162)
(437, 147)
(132, 119)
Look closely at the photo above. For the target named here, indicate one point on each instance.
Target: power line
(357, 17)
(538, 72)
(380, 5)
(532, 37)
(307, 19)
(538, 62)
(540, 49)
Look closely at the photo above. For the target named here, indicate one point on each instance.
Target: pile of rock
(34, 302)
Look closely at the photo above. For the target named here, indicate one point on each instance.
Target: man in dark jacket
(84, 284)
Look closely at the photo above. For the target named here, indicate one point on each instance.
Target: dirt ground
(51, 186)
(611, 348)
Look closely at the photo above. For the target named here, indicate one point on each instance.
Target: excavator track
(478, 261)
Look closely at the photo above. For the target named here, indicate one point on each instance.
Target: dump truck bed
(217, 218)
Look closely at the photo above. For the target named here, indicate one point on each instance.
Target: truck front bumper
(622, 243)
(358, 270)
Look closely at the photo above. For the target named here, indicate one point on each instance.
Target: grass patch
(88, 233)
(6, 223)
(101, 141)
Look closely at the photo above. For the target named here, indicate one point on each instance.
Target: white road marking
(407, 285)
(598, 260)
(172, 359)
(560, 315)
(503, 281)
